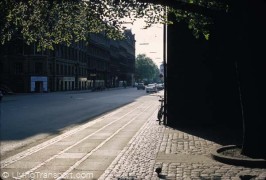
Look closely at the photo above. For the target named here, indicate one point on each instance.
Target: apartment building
(100, 62)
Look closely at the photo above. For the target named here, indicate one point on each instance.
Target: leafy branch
(48, 23)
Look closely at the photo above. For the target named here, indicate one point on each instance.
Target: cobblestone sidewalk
(180, 155)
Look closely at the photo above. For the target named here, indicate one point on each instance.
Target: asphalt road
(27, 118)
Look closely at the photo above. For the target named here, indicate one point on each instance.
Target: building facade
(100, 62)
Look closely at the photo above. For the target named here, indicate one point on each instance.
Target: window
(61, 69)
(65, 69)
(57, 69)
(69, 70)
(38, 68)
(50, 68)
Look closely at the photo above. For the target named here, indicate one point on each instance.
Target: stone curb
(254, 163)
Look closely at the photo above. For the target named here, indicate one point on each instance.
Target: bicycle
(161, 111)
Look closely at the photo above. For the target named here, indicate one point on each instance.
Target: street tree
(51, 22)
(47, 22)
(146, 69)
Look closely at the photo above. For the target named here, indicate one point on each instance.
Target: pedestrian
(124, 84)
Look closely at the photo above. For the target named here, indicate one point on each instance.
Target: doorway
(39, 86)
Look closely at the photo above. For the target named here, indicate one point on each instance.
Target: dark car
(141, 86)
(6, 90)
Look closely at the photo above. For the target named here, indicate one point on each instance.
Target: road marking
(80, 141)
(99, 146)
(45, 144)
(139, 133)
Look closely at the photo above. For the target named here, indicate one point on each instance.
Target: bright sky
(149, 41)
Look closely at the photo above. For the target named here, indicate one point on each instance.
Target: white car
(160, 87)
(151, 88)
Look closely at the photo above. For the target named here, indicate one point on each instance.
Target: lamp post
(117, 77)
(76, 75)
(93, 77)
(164, 67)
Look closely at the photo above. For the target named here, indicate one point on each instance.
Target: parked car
(141, 86)
(160, 86)
(5, 90)
(151, 88)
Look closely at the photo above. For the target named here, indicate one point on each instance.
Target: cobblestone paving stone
(176, 142)
(200, 171)
(138, 158)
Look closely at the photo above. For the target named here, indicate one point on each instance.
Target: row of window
(64, 69)
(71, 53)
(61, 69)
(37, 68)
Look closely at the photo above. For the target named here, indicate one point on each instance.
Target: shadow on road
(25, 116)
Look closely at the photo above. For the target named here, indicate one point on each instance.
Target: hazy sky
(149, 41)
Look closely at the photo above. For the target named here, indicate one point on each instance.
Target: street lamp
(164, 67)
(76, 74)
(93, 77)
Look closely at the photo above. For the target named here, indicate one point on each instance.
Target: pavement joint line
(83, 139)
(99, 146)
(140, 132)
(45, 144)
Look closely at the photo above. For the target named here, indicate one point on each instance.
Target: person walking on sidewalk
(125, 84)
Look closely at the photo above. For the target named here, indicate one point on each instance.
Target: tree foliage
(50, 22)
(197, 18)
(146, 68)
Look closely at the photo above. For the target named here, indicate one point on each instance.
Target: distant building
(103, 62)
